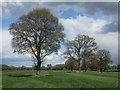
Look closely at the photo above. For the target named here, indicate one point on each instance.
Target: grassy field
(59, 79)
(0, 79)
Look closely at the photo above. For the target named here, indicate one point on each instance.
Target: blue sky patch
(7, 21)
(70, 13)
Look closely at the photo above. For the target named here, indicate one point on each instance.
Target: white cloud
(109, 41)
(96, 9)
(60, 1)
(57, 7)
(82, 24)
(55, 59)
(7, 51)
(7, 55)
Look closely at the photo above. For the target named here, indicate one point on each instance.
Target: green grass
(60, 79)
(0, 79)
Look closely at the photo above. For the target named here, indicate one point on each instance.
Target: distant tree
(13, 68)
(5, 67)
(43, 68)
(59, 67)
(84, 65)
(0, 66)
(23, 67)
(114, 67)
(71, 64)
(118, 67)
(86, 60)
(38, 33)
(93, 62)
(104, 59)
(49, 66)
(78, 47)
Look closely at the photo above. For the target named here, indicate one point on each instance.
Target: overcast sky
(96, 19)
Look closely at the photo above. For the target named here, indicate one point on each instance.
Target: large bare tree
(80, 47)
(38, 33)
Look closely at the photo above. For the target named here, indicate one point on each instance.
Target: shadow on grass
(48, 75)
(20, 75)
(68, 72)
(25, 75)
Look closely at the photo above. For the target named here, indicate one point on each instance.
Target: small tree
(86, 60)
(93, 62)
(59, 67)
(70, 64)
(5, 67)
(77, 48)
(104, 59)
(38, 33)
(43, 68)
(49, 66)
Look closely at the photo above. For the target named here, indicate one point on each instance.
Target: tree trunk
(38, 72)
(96, 69)
(38, 67)
(91, 69)
(101, 69)
(104, 69)
(71, 68)
(79, 66)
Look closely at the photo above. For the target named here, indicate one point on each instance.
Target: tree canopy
(104, 59)
(80, 47)
(38, 33)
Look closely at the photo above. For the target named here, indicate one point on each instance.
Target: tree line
(114, 68)
(7, 67)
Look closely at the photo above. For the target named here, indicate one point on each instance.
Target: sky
(96, 19)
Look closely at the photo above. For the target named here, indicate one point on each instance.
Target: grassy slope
(61, 79)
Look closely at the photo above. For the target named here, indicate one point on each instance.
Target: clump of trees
(114, 68)
(80, 48)
(84, 53)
